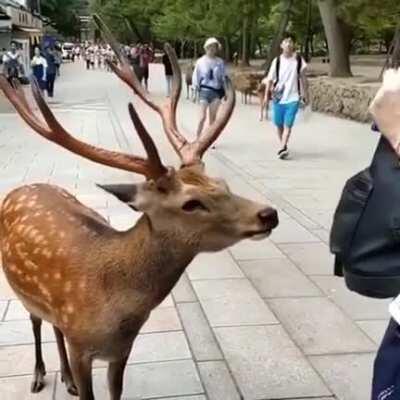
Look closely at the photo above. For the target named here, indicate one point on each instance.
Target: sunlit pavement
(263, 320)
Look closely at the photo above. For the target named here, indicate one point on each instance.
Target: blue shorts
(208, 96)
(285, 114)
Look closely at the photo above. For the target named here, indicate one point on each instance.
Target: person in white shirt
(12, 63)
(209, 82)
(287, 87)
(39, 68)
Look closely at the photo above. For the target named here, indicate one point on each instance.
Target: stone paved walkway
(263, 320)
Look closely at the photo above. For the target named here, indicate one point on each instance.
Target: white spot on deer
(65, 319)
(31, 203)
(35, 279)
(30, 265)
(60, 252)
(24, 218)
(70, 309)
(57, 276)
(18, 207)
(22, 198)
(82, 285)
(47, 253)
(46, 275)
(68, 287)
(12, 267)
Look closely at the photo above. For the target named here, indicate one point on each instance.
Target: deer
(95, 285)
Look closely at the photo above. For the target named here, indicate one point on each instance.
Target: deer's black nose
(269, 217)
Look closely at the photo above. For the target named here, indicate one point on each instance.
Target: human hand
(384, 108)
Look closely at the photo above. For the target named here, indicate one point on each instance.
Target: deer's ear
(124, 192)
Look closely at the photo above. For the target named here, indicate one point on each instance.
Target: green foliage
(63, 15)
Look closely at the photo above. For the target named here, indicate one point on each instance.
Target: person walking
(39, 68)
(168, 73)
(146, 57)
(12, 63)
(58, 59)
(51, 71)
(209, 82)
(287, 87)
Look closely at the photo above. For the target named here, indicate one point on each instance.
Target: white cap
(211, 41)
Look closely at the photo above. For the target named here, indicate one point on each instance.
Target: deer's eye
(194, 205)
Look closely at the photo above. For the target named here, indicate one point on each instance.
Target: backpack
(365, 235)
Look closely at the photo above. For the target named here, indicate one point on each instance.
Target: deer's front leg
(115, 377)
(81, 365)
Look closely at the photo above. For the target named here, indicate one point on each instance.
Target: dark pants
(50, 84)
(386, 381)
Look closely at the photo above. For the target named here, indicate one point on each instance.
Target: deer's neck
(156, 260)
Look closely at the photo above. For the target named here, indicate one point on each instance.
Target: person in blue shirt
(51, 71)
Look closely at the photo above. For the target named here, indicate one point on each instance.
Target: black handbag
(365, 236)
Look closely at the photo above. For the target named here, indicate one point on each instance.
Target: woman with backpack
(209, 82)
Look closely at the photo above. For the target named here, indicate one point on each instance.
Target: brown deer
(95, 285)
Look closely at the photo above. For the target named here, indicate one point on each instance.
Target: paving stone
(20, 332)
(18, 388)
(311, 258)
(6, 293)
(214, 266)
(267, 364)
(16, 311)
(148, 381)
(278, 278)
(183, 291)
(319, 327)
(374, 329)
(201, 397)
(323, 234)
(356, 306)
(161, 320)
(348, 376)
(232, 302)
(168, 302)
(255, 250)
(20, 360)
(290, 231)
(199, 333)
(154, 347)
(218, 381)
(3, 308)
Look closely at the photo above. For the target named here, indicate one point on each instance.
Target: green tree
(65, 22)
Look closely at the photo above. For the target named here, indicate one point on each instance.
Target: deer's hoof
(37, 385)
(70, 385)
(38, 379)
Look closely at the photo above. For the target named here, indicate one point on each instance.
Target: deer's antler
(52, 130)
(190, 153)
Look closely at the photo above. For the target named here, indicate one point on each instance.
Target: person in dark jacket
(168, 73)
(51, 71)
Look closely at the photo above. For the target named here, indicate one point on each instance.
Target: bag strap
(277, 69)
(299, 65)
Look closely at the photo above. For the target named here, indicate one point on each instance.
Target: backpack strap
(299, 65)
(277, 69)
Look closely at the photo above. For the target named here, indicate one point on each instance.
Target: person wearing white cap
(209, 81)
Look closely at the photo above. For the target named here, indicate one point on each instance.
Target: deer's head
(186, 200)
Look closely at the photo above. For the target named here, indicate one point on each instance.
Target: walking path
(263, 320)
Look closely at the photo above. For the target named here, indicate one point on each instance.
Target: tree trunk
(245, 42)
(338, 35)
(228, 52)
(283, 23)
(395, 61)
(309, 33)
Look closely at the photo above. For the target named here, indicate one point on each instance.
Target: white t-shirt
(288, 79)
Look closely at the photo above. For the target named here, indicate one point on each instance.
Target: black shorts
(145, 73)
